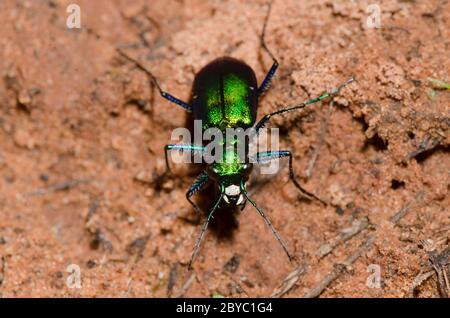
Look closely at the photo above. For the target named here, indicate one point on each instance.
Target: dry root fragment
(289, 282)
(345, 235)
(439, 264)
(403, 211)
(339, 269)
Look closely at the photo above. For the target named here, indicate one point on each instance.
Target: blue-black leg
(153, 79)
(199, 183)
(331, 93)
(192, 148)
(266, 82)
(269, 224)
(266, 156)
(205, 226)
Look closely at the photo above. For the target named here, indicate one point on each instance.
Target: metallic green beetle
(225, 95)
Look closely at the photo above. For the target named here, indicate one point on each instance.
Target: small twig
(442, 280)
(438, 84)
(418, 281)
(173, 275)
(426, 145)
(92, 209)
(339, 269)
(57, 187)
(2, 269)
(439, 262)
(129, 285)
(186, 286)
(400, 214)
(289, 282)
(447, 284)
(346, 234)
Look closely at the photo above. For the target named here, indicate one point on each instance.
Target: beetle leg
(267, 156)
(153, 79)
(266, 82)
(192, 148)
(199, 183)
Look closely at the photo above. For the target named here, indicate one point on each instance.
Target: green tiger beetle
(225, 95)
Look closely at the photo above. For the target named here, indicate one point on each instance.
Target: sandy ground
(82, 136)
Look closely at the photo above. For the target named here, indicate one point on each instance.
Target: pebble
(24, 98)
(144, 176)
(131, 220)
(23, 139)
(290, 194)
(168, 185)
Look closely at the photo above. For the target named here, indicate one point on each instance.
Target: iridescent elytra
(224, 94)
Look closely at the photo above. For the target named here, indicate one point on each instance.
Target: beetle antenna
(204, 227)
(269, 224)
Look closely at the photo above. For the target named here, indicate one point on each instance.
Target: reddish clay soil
(82, 136)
